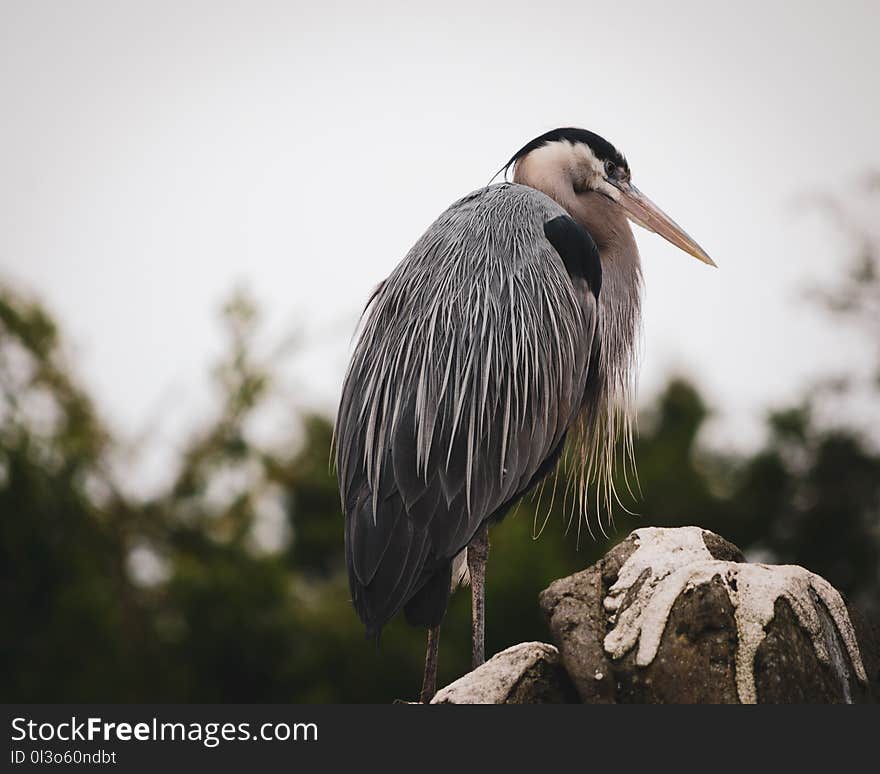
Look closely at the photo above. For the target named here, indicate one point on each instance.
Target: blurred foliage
(230, 584)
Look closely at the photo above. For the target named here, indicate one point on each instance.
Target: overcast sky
(154, 154)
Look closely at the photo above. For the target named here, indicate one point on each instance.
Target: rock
(528, 673)
(573, 607)
(677, 615)
(868, 635)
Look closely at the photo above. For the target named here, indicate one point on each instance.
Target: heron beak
(643, 211)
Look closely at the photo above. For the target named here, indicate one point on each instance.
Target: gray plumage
(476, 357)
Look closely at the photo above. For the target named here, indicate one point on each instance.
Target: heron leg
(429, 681)
(477, 554)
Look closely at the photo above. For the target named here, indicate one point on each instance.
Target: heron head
(588, 176)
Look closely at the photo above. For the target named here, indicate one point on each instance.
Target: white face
(586, 170)
(597, 173)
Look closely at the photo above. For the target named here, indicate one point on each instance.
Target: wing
(470, 368)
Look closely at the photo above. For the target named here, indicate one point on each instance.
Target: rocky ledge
(679, 616)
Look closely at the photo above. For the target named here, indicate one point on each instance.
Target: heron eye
(610, 169)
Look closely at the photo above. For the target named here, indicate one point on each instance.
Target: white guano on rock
(493, 682)
(668, 561)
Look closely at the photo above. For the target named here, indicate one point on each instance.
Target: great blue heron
(509, 326)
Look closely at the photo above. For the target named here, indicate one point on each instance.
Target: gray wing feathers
(470, 367)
